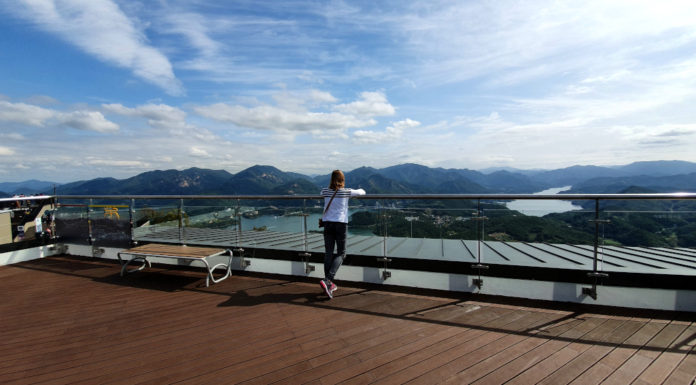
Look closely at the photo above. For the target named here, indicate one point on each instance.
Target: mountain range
(657, 176)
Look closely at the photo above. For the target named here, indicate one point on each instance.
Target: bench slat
(174, 250)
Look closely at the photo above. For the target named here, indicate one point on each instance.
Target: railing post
(595, 274)
(239, 220)
(305, 254)
(131, 219)
(304, 230)
(596, 236)
(52, 218)
(90, 239)
(479, 232)
(442, 241)
(239, 249)
(182, 230)
(385, 273)
(479, 218)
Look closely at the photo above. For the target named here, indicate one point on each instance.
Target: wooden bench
(180, 252)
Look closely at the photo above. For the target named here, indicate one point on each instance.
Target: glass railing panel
(540, 233)
(366, 229)
(269, 218)
(313, 240)
(72, 222)
(109, 222)
(158, 222)
(650, 236)
(206, 216)
(211, 223)
(274, 225)
(364, 218)
(423, 229)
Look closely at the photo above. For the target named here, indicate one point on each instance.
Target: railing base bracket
(97, 251)
(59, 248)
(591, 291)
(385, 274)
(243, 263)
(305, 259)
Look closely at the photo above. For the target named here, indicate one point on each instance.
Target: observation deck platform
(74, 320)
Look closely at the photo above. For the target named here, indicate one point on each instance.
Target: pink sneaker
(327, 288)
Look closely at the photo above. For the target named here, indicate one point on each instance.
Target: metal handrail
(650, 196)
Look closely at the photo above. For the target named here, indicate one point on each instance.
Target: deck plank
(642, 358)
(74, 320)
(548, 346)
(660, 368)
(617, 356)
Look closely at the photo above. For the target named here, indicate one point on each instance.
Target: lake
(284, 223)
(294, 224)
(539, 208)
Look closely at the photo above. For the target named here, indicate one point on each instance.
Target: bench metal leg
(125, 265)
(210, 276)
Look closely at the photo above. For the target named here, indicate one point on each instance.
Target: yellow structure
(5, 227)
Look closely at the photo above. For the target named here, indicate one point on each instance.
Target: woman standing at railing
(335, 222)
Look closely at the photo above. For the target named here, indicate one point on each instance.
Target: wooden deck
(72, 320)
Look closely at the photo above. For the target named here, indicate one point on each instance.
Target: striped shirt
(338, 212)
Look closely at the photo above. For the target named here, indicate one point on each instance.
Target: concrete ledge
(29, 254)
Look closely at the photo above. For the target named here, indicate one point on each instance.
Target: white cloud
(159, 116)
(163, 159)
(196, 28)
(36, 116)
(291, 113)
(154, 112)
(664, 133)
(88, 121)
(199, 152)
(229, 44)
(117, 163)
(278, 119)
(6, 151)
(25, 113)
(392, 133)
(371, 104)
(321, 97)
(301, 100)
(101, 29)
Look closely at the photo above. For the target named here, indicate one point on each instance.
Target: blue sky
(93, 88)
